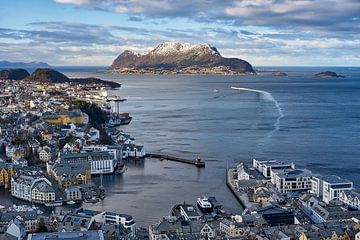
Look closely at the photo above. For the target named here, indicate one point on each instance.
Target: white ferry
(204, 205)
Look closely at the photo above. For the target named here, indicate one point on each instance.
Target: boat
(204, 205)
(121, 169)
(117, 119)
(71, 202)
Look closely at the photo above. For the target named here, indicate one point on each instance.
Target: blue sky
(263, 32)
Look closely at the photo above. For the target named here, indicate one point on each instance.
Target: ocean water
(313, 122)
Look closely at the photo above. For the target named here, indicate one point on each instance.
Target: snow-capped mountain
(175, 56)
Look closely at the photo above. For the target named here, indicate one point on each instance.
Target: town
(56, 137)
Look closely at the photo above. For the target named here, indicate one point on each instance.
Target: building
(16, 229)
(265, 167)
(70, 174)
(76, 117)
(350, 198)
(125, 220)
(7, 170)
(329, 187)
(234, 229)
(275, 216)
(45, 154)
(73, 193)
(100, 162)
(291, 180)
(133, 151)
(32, 186)
(189, 212)
(42, 192)
(79, 235)
(242, 173)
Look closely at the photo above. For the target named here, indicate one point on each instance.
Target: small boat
(204, 205)
(71, 202)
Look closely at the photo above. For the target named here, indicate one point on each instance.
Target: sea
(225, 120)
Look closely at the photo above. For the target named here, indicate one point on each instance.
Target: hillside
(48, 75)
(14, 74)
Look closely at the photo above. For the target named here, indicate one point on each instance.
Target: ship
(117, 119)
(204, 205)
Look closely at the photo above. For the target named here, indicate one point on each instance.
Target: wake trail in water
(267, 97)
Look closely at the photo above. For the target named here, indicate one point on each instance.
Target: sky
(263, 32)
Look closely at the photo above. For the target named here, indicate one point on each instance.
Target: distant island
(328, 74)
(179, 58)
(9, 65)
(48, 75)
(14, 74)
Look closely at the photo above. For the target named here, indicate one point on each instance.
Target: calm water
(312, 122)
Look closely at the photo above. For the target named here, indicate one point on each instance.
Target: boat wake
(269, 98)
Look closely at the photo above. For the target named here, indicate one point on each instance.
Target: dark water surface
(310, 121)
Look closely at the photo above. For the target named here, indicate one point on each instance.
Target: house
(350, 198)
(234, 229)
(209, 229)
(32, 186)
(73, 193)
(242, 173)
(16, 229)
(42, 192)
(7, 170)
(45, 154)
(70, 174)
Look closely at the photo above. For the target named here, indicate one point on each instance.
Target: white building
(45, 154)
(32, 187)
(291, 180)
(350, 198)
(265, 167)
(242, 173)
(133, 151)
(328, 187)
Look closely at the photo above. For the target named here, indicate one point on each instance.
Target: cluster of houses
(49, 152)
(187, 223)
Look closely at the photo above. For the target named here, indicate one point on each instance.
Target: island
(14, 74)
(179, 58)
(48, 75)
(328, 74)
(6, 64)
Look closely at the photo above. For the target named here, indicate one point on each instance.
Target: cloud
(324, 16)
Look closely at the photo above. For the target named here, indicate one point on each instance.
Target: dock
(197, 162)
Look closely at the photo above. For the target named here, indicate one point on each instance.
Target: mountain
(14, 74)
(48, 75)
(176, 57)
(32, 65)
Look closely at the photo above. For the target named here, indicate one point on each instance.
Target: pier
(197, 162)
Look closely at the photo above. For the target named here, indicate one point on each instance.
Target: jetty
(197, 162)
